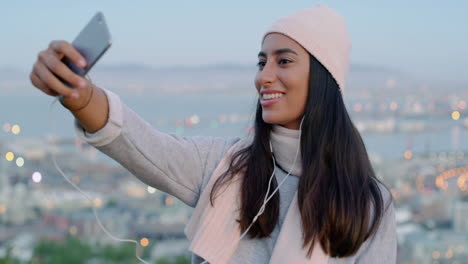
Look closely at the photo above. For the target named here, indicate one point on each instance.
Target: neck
(285, 142)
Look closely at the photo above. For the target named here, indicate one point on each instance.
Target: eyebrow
(277, 52)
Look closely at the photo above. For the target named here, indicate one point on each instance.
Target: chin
(269, 119)
(274, 120)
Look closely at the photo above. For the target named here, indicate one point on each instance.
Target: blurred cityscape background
(407, 94)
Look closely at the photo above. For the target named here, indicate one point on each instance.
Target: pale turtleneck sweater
(182, 166)
(284, 142)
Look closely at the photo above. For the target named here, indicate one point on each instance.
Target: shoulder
(385, 192)
(239, 144)
(387, 205)
(230, 146)
(381, 246)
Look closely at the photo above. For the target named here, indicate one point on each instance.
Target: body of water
(163, 112)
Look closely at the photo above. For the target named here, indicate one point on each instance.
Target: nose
(267, 75)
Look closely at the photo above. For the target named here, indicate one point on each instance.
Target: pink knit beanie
(322, 32)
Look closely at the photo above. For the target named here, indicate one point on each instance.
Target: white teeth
(271, 96)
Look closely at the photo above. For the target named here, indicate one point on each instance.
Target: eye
(261, 64)
(284, 61)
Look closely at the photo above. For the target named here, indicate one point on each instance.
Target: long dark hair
(337, 187)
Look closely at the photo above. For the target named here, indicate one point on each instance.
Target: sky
(425, 38)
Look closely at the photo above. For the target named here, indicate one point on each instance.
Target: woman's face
(283, 68)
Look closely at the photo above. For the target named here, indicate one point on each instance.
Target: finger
(51, 81)
(41, 85)
(61, 46)
(51, 60)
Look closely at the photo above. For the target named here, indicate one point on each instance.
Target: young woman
(299, 189)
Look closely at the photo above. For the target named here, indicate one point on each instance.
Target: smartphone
(92, 42)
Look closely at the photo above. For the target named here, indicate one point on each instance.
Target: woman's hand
(49, 65)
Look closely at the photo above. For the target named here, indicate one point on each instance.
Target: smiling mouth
(269, 99)
(269, 96)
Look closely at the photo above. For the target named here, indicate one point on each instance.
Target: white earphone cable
(86, 196)
(262, 208)
(268, 197)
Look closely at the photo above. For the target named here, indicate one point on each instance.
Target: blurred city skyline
(423, 38)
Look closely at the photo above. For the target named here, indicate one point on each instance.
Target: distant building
(442, 247)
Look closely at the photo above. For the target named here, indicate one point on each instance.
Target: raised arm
(180, 166)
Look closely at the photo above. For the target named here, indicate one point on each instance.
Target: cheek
(297, 91)
(296, 100)
(296, 85)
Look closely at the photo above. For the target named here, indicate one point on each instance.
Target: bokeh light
(151, 189)
(461, 105)
(195, 119)
(449, 254)
(37, 177)
(144, 242)
(461, 182)
(408, 154)
(97, 202)
(15, 129)
(441, 180)
(455, 115)
(357, 108)
(6, 127)
(2, 209)
(169, 201)
(222, 119)
(20, 162)
(10, 156)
